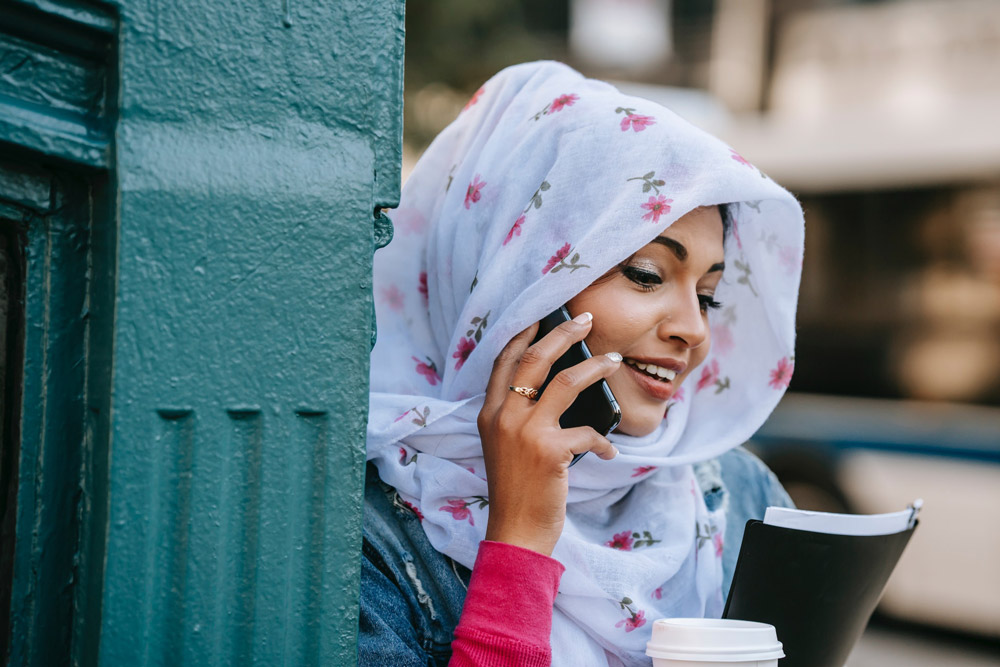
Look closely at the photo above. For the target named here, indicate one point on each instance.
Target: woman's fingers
(537, 360)
(527, 454)
(503, 369)
(586, 439)
(567, 384)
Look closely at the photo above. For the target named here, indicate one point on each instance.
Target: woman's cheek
(700, 353)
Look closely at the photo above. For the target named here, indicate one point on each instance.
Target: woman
(552, 189)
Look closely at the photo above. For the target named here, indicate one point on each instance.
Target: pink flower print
(428, 370)
(739, 158)
(459, 510)
(422, 285)
(393, 298)
(403, 454)
(736, 234)
(472, 100)
(642, 470)
(408, 221)
(782, 375)
(465, 348)
(722, 339)
(475, 191)
(656, 206)
(717, 541)
(789, 258)
(637, 620)
(657, 594)
(562, 101)
(621, 541)
(555, 105)
(515, 230)
(558, 261)
(556, 258)
(414, 509)
(459, 507)
(709, 375)
(400, 417)
(637, 122)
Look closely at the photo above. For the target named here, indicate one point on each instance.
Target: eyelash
(708, 303)
(647, 282)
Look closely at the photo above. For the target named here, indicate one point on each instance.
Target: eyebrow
(681, 252)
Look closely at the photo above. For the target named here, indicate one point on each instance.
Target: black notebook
(817, 589)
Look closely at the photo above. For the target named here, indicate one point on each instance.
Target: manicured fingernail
(613, 356)
(583, 318)
(615, 449)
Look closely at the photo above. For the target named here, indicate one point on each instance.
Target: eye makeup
(644, 278)
(647, 280)
(708, 302)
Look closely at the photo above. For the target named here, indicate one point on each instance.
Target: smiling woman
(654, 312)
(551, 189)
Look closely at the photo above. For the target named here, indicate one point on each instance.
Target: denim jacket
(412, 595)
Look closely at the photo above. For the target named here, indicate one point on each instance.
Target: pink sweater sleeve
(507, 617)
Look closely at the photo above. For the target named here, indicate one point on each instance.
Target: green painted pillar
(199, 418)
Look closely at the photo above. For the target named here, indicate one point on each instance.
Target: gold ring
(527, 392)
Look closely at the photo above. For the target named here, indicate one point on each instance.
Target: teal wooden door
(188, 198)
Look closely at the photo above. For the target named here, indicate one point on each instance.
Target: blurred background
(881, 116)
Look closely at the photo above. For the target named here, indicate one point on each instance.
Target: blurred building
(881, 116)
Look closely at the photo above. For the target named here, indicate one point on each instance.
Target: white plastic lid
(709, 639)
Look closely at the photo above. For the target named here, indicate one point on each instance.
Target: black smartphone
(596, 405)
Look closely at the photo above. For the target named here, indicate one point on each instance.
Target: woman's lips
(661, 390)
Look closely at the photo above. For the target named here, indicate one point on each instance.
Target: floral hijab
(544, 182)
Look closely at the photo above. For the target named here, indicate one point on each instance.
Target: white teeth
(653, 369)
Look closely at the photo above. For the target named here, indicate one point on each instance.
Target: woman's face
(653, 309)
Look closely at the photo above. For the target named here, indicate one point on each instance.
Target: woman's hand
(527, 453)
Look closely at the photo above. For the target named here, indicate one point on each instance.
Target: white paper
(843, 524)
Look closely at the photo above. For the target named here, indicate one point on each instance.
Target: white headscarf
(544, 182)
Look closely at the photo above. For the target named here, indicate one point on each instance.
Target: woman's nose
(683, 321)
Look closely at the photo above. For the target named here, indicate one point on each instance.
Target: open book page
(843, 524)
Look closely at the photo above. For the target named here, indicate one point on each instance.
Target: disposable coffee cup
(707, 642)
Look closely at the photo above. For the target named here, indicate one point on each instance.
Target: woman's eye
(708, 302)
(647, 280)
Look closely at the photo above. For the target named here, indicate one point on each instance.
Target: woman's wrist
(527, 535)
(535, 544)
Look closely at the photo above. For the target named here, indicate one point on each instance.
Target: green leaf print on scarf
(649, 182)
(536, 199)
(478, 324)
(536, 202)
(421, 417)
(558, 261)
(744, 279)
